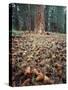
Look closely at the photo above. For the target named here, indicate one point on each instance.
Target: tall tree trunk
(39, 19)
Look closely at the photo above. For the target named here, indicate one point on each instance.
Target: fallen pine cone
(47, 80)
(26, 82)
(58, 66)
(28, 71)
(40, 77)
(59, 73)
(35, 71)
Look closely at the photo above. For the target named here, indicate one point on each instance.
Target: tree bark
(39, 19)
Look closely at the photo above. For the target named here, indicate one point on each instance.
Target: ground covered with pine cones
(38, 59)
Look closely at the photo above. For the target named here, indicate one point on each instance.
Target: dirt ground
(38, 59)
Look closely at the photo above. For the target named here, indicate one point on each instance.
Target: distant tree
(29, 18)
(15, 21)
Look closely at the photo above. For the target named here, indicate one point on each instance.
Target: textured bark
(39, 19)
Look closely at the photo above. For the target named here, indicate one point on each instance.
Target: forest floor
(38, 59)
